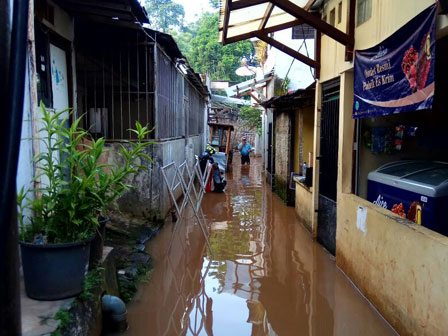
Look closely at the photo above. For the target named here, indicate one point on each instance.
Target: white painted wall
(25, 171)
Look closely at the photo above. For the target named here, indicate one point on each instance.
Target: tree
(206, 55)
(214, 3)
(165, 14)
(251, 117)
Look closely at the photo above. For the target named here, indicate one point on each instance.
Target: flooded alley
(266, 277)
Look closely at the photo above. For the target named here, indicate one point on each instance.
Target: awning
(130, 14)
(228, 100)
(299, 98)
(243, 19)
(221, 125)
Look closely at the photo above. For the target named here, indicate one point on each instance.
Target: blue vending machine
(421, 186)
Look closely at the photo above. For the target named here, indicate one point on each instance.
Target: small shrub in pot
(74, 188)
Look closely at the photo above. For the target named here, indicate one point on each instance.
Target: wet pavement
(266, 277)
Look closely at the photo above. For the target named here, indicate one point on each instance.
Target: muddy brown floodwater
(267, 276)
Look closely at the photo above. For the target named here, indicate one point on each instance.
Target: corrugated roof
(130, 14)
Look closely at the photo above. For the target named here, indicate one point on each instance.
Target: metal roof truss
(244, 19)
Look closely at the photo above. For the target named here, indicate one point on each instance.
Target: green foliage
(214, 3)
(206, 55)
(281, 188)
(21, 209)
(165, 14)
(92, 282)
(128, 287)
(251, 117)
(75, 185)
(65, 318)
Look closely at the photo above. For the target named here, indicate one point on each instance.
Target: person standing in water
(245, 148)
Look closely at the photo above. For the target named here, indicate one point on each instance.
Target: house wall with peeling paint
(150, 199)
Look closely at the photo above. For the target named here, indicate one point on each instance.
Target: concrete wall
(304, 205)
(150, 197)
(282, 136)
(25, 165)
(63, 23)
(282, 154)
(401, 267)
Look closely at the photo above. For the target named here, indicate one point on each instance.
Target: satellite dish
(246, 71)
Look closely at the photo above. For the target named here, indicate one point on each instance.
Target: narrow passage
(267, 277)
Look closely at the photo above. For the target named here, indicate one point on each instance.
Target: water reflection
(267, 276)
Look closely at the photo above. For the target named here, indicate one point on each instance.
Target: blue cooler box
(421, 186)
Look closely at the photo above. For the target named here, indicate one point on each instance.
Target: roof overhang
(221, 125)
(125, 11)
(244, 19)
(292, 101)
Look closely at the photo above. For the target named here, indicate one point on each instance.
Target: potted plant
(62, 218)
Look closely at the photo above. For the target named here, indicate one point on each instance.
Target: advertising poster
(397, 75)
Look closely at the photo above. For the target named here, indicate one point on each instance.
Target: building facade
(398, 263)
(102, 62)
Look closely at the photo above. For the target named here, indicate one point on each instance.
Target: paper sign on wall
(361, 218)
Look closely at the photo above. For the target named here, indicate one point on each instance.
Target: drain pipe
(114, 313)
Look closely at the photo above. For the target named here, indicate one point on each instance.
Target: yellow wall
(387, 17)
(304, 205)
(308, 132)
(307, 136)
(401, 268)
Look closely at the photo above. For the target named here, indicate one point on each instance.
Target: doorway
(328, 167)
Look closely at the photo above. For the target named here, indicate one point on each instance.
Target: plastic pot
(54, 271)
(97, 245)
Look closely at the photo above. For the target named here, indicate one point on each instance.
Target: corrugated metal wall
(180, 107)
(170, 87)
(195, 110)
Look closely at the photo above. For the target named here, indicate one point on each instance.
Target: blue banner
(398, 74)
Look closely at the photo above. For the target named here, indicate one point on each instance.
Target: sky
(193, 9)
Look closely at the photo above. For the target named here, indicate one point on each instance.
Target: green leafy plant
(75, 186)
(65, 318)
(251, 117)
(92, 282)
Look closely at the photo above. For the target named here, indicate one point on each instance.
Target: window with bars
(124, 77)
(115, 81)
(363, 12)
